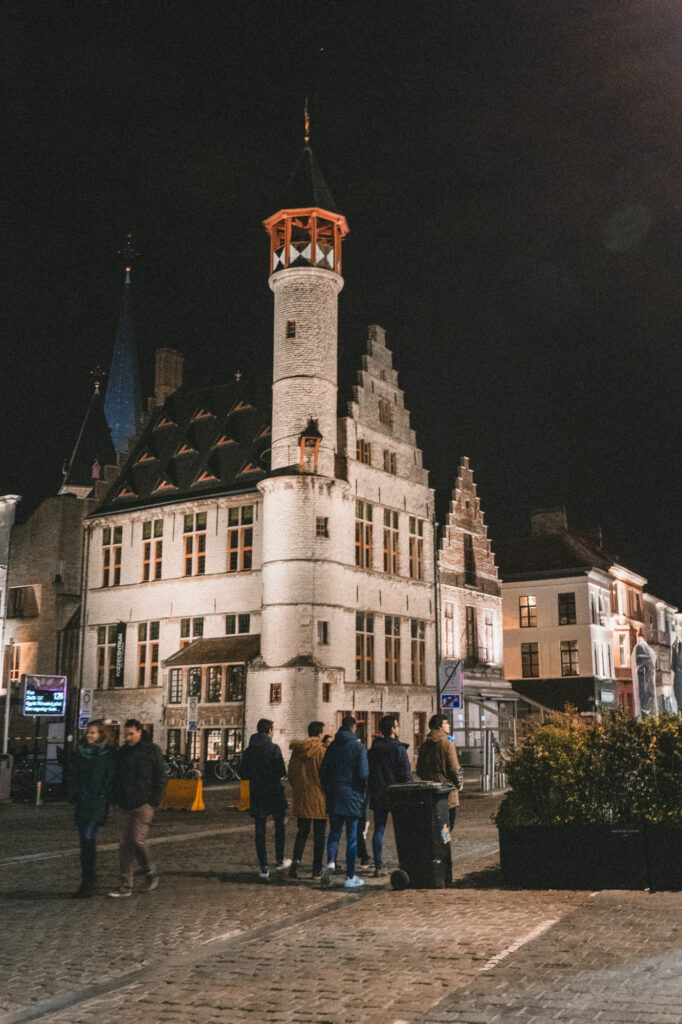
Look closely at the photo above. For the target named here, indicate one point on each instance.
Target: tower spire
(122, 405)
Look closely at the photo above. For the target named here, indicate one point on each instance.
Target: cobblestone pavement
(212, 944)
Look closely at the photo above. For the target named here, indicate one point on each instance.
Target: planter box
(575, 857)
(664, 843)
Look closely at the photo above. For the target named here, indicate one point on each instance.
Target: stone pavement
(213, 944)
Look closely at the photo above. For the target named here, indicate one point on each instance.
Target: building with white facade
(558, 631)
(270, 560)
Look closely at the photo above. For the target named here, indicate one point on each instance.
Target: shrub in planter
(595, 804)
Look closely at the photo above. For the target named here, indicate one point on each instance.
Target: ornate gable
(466, 551)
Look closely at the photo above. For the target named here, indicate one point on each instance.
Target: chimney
(168, 376)
(548, 520)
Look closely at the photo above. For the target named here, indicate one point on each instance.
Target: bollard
(39, 794)
(244, 796)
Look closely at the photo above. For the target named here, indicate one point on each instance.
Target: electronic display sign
(45, 696)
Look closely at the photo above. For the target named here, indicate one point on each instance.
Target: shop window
(235, 682)
(194, 681)
(214, 684)
(175, 686)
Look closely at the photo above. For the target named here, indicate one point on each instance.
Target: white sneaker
(353, 883)
(264, 874)
(286, 863)
(327, 875)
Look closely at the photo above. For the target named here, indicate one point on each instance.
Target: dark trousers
(380, 820)
(319, 835)
(87, 833)
(260, 820)
(336, 823)
(453, 814)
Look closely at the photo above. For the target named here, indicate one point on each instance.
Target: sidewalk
(212, 944)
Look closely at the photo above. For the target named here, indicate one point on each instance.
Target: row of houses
(270, 549)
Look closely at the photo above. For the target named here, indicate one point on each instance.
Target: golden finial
(306, 117)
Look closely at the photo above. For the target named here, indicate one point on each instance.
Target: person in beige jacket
(437, 760)
(309, 804)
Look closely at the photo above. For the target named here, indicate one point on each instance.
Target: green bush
(620, 770)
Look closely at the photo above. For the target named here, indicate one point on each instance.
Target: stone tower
(307, 511)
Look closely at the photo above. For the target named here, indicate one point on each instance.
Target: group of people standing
(336, 783)
(333, 781)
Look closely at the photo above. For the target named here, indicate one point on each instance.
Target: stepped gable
(198, 444)
(465, 561)
(378, 406)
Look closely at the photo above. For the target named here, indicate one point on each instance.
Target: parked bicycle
(179, 767)
(226, 770)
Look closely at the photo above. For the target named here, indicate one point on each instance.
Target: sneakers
(327, 875)
(151, 881)
(293, 870)
(353, 883)
(282, 864)
(121, 892)
(264, 873)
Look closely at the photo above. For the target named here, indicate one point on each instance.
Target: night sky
(510, 172)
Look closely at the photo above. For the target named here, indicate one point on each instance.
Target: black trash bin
(422, 834)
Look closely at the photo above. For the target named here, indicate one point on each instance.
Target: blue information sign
(45, 696)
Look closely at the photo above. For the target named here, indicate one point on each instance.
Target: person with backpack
(343, 774)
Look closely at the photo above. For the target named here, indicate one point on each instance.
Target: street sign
(83, 721)
(192, 713)
(450, 683)
(85, 710)
(44, 695)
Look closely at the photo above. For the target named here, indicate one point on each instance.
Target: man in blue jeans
(263, 766)
(343, 774)
(388, 764)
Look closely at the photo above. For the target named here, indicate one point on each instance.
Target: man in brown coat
(309, 804)
(437, 760)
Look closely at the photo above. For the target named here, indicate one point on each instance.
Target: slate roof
(93, 444)
(199, 444)
(548, 555)
(216, 650)
(307, 187)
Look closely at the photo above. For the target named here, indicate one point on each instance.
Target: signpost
(450, 684)
(44, 696)
(85, 709)
(192, 713)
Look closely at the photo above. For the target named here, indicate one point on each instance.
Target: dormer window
(291, 328)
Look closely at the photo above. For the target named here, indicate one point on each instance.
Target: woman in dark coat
(90, 781)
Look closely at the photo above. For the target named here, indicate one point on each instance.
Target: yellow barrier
(244, 797)
(183, 795)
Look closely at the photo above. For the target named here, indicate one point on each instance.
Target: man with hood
(310, 807)
(343, 774)
(263, 766)
(388, 764)
(437, 760)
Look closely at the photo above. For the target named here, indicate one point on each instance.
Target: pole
(8, 692)
(8, 507)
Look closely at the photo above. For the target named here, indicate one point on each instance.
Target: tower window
(326, 692)
(291, 328)
(323, 633)
(321, 526)
(275, 693)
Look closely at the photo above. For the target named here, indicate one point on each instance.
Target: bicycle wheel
(221, 770)
(193, 773)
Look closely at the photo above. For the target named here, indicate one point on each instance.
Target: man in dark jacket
(388, 764)
(139, 782)
(263, 766)
(343, 774)
(437, 760)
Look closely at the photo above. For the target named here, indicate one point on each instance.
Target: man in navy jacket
(263, 766)
(388, 764)
(343, 774)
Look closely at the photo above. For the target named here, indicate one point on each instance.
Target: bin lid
(407, 788)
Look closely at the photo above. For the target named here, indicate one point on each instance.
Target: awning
(216, 650)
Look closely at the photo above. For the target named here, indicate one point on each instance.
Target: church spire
(122, 405)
